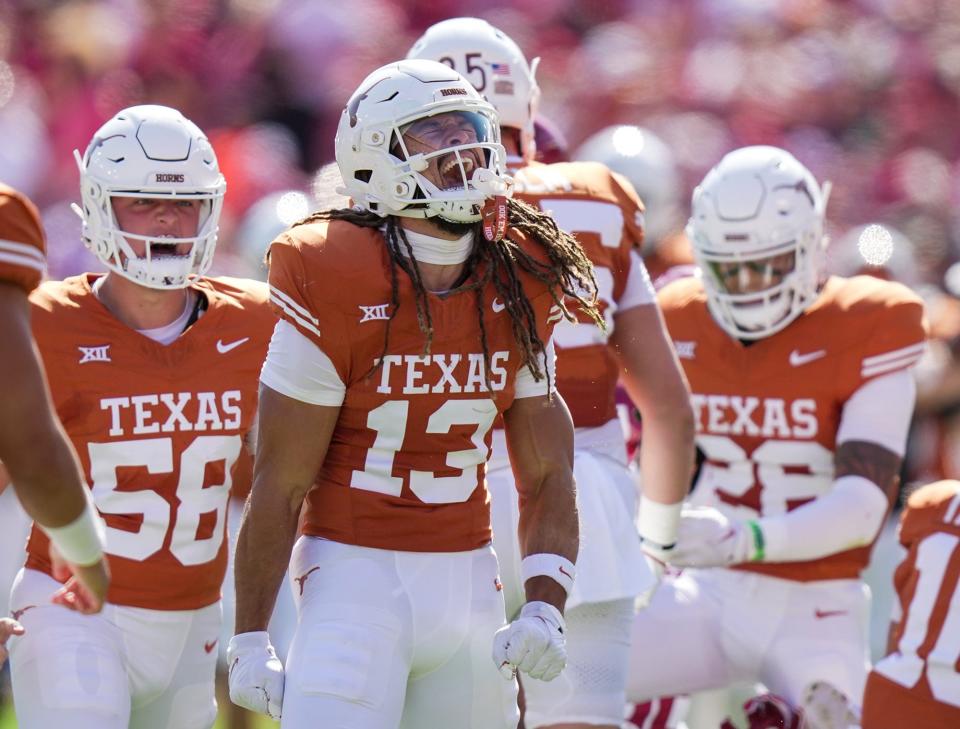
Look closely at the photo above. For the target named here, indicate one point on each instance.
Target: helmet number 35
(473, 70)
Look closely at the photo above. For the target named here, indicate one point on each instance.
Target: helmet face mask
(494, 64)
(147, 153)
(757, 236)
(416, 140)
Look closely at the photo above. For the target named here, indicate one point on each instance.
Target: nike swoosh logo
(797, 359)
(209, 645)
(224, 348)
(827, 613)
(497, 306)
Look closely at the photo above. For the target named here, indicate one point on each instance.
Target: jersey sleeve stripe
(555, 314)
(895, 354)
(291, 312)
(290, 303)
(22, 249)
(901, 363)
(890, 366)
(16, 260)
(952, 510)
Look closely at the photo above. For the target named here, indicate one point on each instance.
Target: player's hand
(533, 643)
(707, 538)
(8, 627)
(256, 674)
(85, 586)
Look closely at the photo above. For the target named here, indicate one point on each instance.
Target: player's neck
(140, 307)
(437, 277)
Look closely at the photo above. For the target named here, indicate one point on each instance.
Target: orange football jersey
(405, 466)
(767, 413)
(918, 684)
(159, 430)
(603, 211)
(22, 248)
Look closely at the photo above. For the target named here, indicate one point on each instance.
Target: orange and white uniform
(160, 432)
(603, 211)
(22, 246)
(396, 548)
(769, 416)
(918, 684)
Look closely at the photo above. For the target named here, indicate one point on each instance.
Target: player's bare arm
(658, 387)
(37, 471)
(292, 442)
(35, 451)
(540, 440)
(870, 461)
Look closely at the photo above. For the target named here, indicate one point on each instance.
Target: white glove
(256, 674)
(533, 643)
(707, 538)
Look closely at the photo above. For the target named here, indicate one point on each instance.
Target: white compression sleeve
(852, 512)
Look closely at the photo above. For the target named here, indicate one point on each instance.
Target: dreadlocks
(568, 276)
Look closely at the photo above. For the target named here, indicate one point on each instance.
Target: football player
(153, 372)
(603, 211)
(34, 450)
(649, 164)
(409, 322)
(918, 683)
(802, 393)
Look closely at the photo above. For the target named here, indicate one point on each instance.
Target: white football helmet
(149, 152)
(648, 163)
(490, 60)
(378, 172)
(756, 204)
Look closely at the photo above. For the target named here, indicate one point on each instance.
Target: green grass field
(9, 721)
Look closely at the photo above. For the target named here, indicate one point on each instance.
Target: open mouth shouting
(454, 167)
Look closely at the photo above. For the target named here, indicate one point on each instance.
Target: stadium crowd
(864, 93)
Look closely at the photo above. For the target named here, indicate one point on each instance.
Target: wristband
(758, 542)
(81, 542)
(549, 565)
(658, 523)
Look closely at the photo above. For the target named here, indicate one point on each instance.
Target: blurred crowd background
(865, 92)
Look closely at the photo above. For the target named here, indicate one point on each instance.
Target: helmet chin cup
(490, 184)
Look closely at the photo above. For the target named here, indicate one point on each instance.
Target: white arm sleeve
(639, 289)
(880, 412)
(847, 516)
(852, 512)
(526, 386)
(298, 368)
